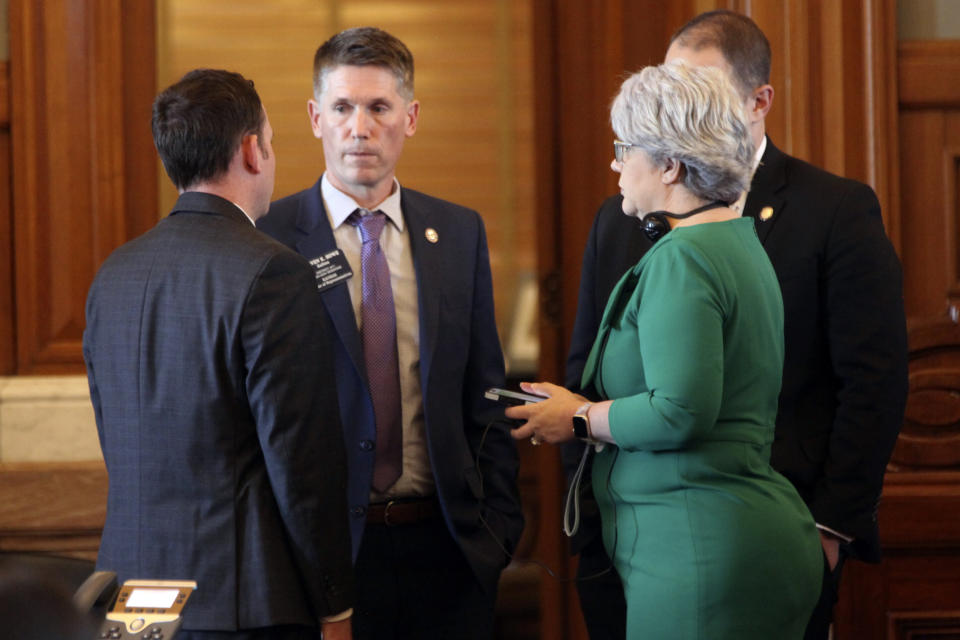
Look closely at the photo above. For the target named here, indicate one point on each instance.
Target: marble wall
(46, 418)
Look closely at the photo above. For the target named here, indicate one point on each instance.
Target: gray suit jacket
(218, 420)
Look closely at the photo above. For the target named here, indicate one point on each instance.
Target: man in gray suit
(211, 378)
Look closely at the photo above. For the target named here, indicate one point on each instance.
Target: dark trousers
(414, 582)
(601, 594)
(819, 626)
(284, 632)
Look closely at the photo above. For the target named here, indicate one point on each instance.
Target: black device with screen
(511, 398)
(147, 609)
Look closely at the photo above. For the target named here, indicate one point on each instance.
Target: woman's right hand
(550, 420)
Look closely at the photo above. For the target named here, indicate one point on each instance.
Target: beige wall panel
(474, 142)
(46, 418)
(271, 45)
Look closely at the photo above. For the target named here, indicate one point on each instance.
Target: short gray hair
(694, 116)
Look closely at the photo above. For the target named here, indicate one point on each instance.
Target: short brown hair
(365, 46)
(738, 38)
(199, 122)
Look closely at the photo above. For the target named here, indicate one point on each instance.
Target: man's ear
(672, 171)
(313, 111)
(413, 114)
(250, 153)
(759, 103)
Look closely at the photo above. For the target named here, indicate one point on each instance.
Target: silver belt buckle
(386, 513)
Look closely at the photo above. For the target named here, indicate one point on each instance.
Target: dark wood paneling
(910, 595)
(51, 507)
(930, 168)
(930, 161)
(921, 511)
(549, 105)
(915, 592)
(139, 86)
(82, 80)
(7, 335)
(930, 171)
(835, 93)
(926, 71)
(883, 148)
(930, 438)
(935, 625)
(4, 94)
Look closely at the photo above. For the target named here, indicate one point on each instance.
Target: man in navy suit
(431, 536)
(845, 368)
(210, 366)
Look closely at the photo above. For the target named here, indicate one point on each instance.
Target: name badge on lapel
(330, 268)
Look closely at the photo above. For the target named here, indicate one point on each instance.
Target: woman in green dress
(710, 542)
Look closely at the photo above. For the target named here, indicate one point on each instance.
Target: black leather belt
(403, 511)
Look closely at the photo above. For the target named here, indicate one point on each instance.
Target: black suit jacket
(218, 422)
(845, 367)
(460, 357)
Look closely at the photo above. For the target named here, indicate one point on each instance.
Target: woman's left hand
(550, 420)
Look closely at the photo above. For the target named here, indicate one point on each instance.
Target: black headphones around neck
(655, 224)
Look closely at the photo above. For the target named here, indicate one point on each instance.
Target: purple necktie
(378, 327)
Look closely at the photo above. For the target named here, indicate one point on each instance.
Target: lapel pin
(766, 213)
(431, 235)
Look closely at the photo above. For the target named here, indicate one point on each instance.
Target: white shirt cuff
(835, 534)
(338, 617)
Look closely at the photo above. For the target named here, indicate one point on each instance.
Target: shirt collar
(340, 205)
(761, 148)
(244, 213)
(738, 206)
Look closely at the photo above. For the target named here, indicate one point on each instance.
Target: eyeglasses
(619, 149)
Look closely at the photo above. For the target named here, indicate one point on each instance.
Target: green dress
(710, 541)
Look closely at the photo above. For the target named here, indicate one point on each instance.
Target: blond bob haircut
(692, 115)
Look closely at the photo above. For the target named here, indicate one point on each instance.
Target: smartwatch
(581, 422)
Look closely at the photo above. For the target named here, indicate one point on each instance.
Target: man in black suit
(211, 374)
(432, 532)
(845, 369)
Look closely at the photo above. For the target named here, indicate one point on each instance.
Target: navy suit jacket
(845, 368)
(460, 356)
(214, 406)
